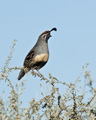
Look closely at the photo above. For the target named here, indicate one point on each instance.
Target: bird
(38, 55)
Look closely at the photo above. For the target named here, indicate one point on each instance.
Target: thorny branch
(68, 104)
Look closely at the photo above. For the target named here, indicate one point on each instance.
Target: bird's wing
(28, 58)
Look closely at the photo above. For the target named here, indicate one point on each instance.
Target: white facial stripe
(45, 35)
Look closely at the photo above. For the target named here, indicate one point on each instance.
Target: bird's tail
(21, 74)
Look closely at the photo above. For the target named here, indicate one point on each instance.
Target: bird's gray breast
(41, 48)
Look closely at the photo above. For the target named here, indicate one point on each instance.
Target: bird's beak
(50, 35)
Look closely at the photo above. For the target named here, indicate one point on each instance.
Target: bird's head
(46, 35)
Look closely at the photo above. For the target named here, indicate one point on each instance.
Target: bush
(70, 105)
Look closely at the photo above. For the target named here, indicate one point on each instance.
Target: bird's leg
(33, 73)
(39, 73)
(32, 69)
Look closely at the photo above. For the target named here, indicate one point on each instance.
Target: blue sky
(70, 47)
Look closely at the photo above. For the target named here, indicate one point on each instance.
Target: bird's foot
(39, 73)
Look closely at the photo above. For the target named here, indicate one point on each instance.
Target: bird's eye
(44, 35)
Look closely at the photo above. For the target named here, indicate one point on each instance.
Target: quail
(38, 55)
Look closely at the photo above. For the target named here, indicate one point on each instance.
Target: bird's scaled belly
(41, 57)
